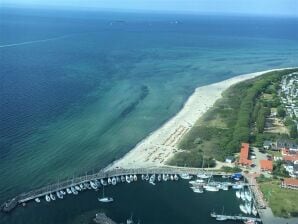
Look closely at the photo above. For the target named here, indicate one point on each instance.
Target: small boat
(242, 195)
(135, 178)
(238, 195)
(105, 199)
(204, 175)
(250, 221)
(37, 200)
(171, 177)
(159, 177)
(73, 190)
(247, 195)
(221, 218)
(143, 177)
(185, 176)
(62, 192)
(165, 177)
(131, 178)
(47, 197)
(118, 179)
(237, 186)
(52, 197)
(176, 177)
(211, 188)
(127, 179)
(93, 185)
(78, 188)
(236, 176)
(248, 207)
(103, 182)
(147, 177)
(114, 181)
(68, 191)
(197, 189)
(254, 211)
(82, 187)
(243, 208)
(122, 179)
(225, 176)
(97, 183)
(88, 186)
(59, 195)
(109, 181)
(225, 187)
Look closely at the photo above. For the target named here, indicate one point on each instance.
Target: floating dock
(234, 217)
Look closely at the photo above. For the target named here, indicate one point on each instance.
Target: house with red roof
(244, 152)
(266, 165)
(290, 183)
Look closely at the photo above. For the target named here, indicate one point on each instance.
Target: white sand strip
(161, 144)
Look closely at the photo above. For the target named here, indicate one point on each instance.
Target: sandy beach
(162, 144)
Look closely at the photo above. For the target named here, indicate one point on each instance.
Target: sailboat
(222, 217)
(105, 199)
(203, 175)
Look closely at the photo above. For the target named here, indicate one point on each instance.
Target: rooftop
(291, 181)
(243, 160)
(266, 165)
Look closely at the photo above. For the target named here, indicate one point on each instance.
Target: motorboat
(48, 198)
(82, 186)
(135, 178)
(122, 179)
(185, 176)
(62, 192)
(37, 200)
(103, 182)
(237, 186)
(171, 177)
(143, 177)
(118, 179)
(73, 190)
(197, 189)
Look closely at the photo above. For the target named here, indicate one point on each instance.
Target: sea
(79, 89)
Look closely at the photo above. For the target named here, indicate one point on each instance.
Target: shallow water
(88, 93)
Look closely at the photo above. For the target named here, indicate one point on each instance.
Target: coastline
(161, 145)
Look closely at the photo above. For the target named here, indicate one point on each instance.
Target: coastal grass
(282, 201)
(239, 116)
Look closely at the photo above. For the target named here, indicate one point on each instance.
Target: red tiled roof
(291, 181)
(291, 158)
(266, 165)
(243, 160)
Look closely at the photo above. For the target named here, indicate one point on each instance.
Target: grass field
(283, 202)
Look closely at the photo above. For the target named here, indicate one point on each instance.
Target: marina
(111, 177)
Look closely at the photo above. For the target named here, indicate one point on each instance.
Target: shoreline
(161, 145)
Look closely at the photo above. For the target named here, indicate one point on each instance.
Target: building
(290, 183)
(230, 159)
(266, 165)
(267, 144)
(243, 160)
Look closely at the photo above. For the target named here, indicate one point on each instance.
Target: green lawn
(283, 202)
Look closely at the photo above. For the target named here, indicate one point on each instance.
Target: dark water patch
(131, 107)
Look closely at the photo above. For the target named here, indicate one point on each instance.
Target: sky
(263, 7)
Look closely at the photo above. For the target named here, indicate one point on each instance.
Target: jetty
(233, 217)
(23, 198)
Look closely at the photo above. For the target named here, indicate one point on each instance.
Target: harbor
(198, 180)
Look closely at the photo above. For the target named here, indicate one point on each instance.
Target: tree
(293, 131)
(281, 112)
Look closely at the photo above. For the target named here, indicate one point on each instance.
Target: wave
(33, 41)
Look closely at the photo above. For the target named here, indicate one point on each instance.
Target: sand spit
(161, 144)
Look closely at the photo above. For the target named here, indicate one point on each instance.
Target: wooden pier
(9, 205)
(234, 217)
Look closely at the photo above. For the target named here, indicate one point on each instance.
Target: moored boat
(37, 200)
(135, 178)
(52, 197)
(185, 176)
(243, 209)
(238, 194)
(47, 197)
(211, 188)
(68, 191)
(114, 181)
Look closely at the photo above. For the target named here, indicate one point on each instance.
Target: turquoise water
(94, 84)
